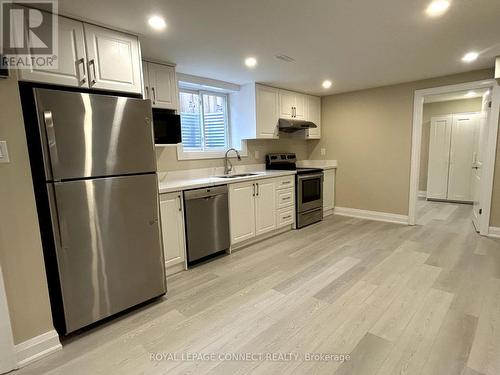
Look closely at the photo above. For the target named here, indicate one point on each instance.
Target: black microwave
(167, 126)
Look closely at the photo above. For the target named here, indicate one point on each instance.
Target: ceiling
(457, 95)
(354, 43)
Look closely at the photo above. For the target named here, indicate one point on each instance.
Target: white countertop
(175, 181)
(323, 164)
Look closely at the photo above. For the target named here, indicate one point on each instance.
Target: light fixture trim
(470, 56)
(327, 84)
(251, 62)
(437, 8)
(157, 22)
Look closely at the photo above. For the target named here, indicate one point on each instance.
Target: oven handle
(309, 176)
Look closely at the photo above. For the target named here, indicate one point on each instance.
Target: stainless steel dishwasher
(207, 222)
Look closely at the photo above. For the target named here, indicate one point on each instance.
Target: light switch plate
(4, 152)
(323, 151)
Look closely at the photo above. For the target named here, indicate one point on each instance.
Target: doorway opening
(453, 153)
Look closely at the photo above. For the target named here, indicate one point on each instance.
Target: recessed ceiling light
(470, 94)
(327, 84)
(437, 8)
(157, 22)
(470, 57)
(251, 62)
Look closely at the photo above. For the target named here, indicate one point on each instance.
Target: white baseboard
(371, 215)
(422, 194)
(36, 348)
(494, 232)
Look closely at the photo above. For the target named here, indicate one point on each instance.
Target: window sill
(200, 155)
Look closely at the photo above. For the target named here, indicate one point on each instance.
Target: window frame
(209, 153)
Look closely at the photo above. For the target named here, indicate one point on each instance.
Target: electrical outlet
(4, 152)
(257, 154)
(323, 151)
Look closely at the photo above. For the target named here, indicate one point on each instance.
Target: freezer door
(109, 250)
(91, 135)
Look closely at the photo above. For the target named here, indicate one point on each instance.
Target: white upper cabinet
(267, 111)
(162, 85)
(314, 115)
(113, 60)
(293, 105)
(71, 58)
(254, 112)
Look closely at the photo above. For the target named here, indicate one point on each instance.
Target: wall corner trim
(37, 347)
(371, 215)
(494, 232)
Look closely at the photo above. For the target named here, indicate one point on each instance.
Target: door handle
(253, 187)
(257, 189)
(93, 80)
(83, 77)
(146, 92)
(180, 203)
(154, 95)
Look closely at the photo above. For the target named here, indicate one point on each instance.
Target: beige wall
(440, 109)
(167, 156)
(20, 245)
(369, 133)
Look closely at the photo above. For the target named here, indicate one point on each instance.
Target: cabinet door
(71, 58)
(287, 103)
(461, 157)
(314, 115)
(328, 189)
(265, 206)
(145, 80)
(267, 112)
(300, 106)
(172, 224)
(439, 157)
(242, 211)
(163, 86)
(113, 60)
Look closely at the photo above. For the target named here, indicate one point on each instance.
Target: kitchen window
(204, 121)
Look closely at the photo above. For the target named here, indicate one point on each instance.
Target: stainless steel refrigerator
(102, 193)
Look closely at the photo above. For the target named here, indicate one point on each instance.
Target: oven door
(309, 192)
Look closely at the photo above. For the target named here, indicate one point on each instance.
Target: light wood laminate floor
(398, 299)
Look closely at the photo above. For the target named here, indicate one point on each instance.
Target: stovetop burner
(287, 162)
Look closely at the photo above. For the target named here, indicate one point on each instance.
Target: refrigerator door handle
(51, 137)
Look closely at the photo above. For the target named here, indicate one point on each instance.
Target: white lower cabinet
(265, 211)
(261, 206)
(328, 191)
(172, 224)
(242, 211)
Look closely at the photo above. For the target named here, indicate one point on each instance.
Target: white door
(7, 356)
(265, 207)
(300, 106)
(242, 211)
(480, 142)
(172, 224)
(145, 80)
(439, 157)
(163, 86)
(267, 111)
(113, 60)
(287, 103)
(314, 115)
(71, 58)
(328, 190)
(461, 157)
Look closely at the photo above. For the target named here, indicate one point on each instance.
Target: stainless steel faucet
(228, 166)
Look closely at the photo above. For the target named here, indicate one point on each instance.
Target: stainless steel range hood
(497, 70)
(291, 126)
